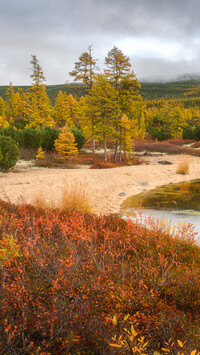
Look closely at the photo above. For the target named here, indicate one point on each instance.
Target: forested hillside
(148, 90)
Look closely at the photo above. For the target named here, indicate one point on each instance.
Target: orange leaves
(78, 280)
(8, 328)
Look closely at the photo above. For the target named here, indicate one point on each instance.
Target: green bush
(197, 133)
(9, 151)
(20, 123)
(14, 134)
(79, 138)
(49, 135)
(188, 133)
(32, 138)
(159, 134)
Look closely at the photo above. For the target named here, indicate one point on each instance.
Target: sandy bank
(104, 186)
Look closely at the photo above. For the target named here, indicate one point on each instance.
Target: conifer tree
(39, 102)
(40, 153)
(2, 107)
(118, 71)
(85, 68)
(65, 144)
(118, 65)
(60, 110)
(40, 108)
(10, 103)
(102, 105)
(37, 75)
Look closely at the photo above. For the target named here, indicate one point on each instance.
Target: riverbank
(106, 188)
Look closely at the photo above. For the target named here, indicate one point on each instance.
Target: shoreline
(106, 188)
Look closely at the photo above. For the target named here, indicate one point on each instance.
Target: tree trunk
(120, 144)
(105, 151)
(93, 144)
(115, 155)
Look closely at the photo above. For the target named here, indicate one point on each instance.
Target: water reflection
(175, 203)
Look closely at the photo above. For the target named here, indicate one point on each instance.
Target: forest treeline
(103, 106)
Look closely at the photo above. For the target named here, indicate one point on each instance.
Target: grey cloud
(58, 31)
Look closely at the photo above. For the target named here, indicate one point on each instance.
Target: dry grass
(183, 168)
(73, 196)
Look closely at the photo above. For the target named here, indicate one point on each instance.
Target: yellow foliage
(40, 153)
(65, 144)
(8, 249)
(3, 123)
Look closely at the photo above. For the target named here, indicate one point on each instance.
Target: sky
(161, 37)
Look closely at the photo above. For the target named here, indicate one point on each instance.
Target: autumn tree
(37, 75)
(39, 101)
(65, 145)
(10, 103)
(2, 107)
(85, 68)
(119, 73)
(40, 108)
(129, 130)
(102, 106)
(117, 66)
(60, 110)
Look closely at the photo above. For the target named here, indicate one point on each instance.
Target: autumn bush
(183, 168)
(164, 147)
(68, 281)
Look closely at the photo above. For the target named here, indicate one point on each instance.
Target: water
(174, 204)
(175, 217)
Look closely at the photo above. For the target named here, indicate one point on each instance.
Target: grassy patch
(73, 196)
(183, 168)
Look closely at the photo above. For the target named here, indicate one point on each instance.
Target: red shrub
(64, 276)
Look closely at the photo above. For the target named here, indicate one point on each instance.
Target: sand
(103, 186)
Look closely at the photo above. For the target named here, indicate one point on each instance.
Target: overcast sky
(161, 37)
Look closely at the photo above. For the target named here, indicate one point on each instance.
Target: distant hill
(171, 90)
(180, 89)
(76, 90)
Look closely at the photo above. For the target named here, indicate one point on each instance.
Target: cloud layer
(162, 38)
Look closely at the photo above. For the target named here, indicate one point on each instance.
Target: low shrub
(79, 138)
(164, 147)
(32, 138)
(9, 152)
(69, 280)
(49, 135)
(14, 134)
(159, 134)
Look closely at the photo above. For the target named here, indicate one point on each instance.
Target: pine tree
(37, 75)
(10, 103)
(39, 108)
(61, 109)
(39, 102)
(85, 68)
(65, 144)
(2, 107)
(102, 106)
(118, 65)
(121, 76)
(40, 153)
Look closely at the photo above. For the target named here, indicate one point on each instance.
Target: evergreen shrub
(49, 135)
(79, 138)
(9, 151)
